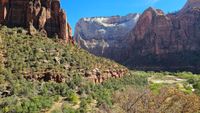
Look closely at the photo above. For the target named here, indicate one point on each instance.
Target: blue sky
(77, 9)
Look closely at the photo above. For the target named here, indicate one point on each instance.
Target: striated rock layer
(167, 41)
(157, 41)
(102, 36)
(45, 16)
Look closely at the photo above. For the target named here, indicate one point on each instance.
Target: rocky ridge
(37, 58)
(170, 40)
(45, 16)
(191, 4)
(102, 36)
(159, 40)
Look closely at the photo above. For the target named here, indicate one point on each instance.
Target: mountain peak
(150, 9)
(191, 4)
(154, 11)
(192, 1)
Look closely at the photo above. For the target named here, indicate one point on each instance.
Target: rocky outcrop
(96, 76)
(190, 5)
(45, 16)
(170, 40)
(157, 40)
(46, 76)
(102, 36)
(151, 32)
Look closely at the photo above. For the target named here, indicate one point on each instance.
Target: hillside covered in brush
(44, 75)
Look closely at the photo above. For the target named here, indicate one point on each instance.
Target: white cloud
(151, 2)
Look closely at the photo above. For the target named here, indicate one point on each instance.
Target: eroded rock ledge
(95, 76)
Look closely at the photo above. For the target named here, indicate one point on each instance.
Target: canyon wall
(103, 36)
(156, 40)
(45, 16)
(166, 40)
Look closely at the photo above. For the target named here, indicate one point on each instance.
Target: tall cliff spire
(46, 16)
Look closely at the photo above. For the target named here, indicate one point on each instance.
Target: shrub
(73, 97)
(155, 88)
(68, 109)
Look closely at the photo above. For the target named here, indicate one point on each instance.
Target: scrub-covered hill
(35, 71)
(43, 75)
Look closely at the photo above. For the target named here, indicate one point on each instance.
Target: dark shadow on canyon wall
(186, 61)
(172, 62)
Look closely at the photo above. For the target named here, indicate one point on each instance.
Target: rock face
(96, 76)
(157, 41)
(164, 34)
(169, 41)
(102, 36)
(45, 16)
(191, 4)
(150, 36)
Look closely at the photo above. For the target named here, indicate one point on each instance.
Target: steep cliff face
(154, 40)
(171, 40)
(150, 36)
(102, 36)
(170, 33)
(190, 5)
(45, 16)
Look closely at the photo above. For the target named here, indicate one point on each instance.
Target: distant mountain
(169, 41)
(165, 41)
(43, 75)
(191, 4)
(102, 36)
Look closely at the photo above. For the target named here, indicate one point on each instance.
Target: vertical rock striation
(169, 41)
(103, 36)
(156, 40)
(45, 16)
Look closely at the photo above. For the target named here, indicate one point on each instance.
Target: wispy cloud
(151, 2)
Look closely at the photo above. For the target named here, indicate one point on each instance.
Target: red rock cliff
(45, 16)
(162, 34)
(168, 40)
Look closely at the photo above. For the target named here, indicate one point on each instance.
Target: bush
(73, 97)
(155, 88)
(68, 109)
(29, 105)
(196, 85)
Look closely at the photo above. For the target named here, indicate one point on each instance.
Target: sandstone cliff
(102, 36)
(169, 41)
(45, 16)
(158, 40)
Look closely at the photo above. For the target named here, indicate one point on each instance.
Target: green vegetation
(38, 74)
(28, 58)
(156, 87)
